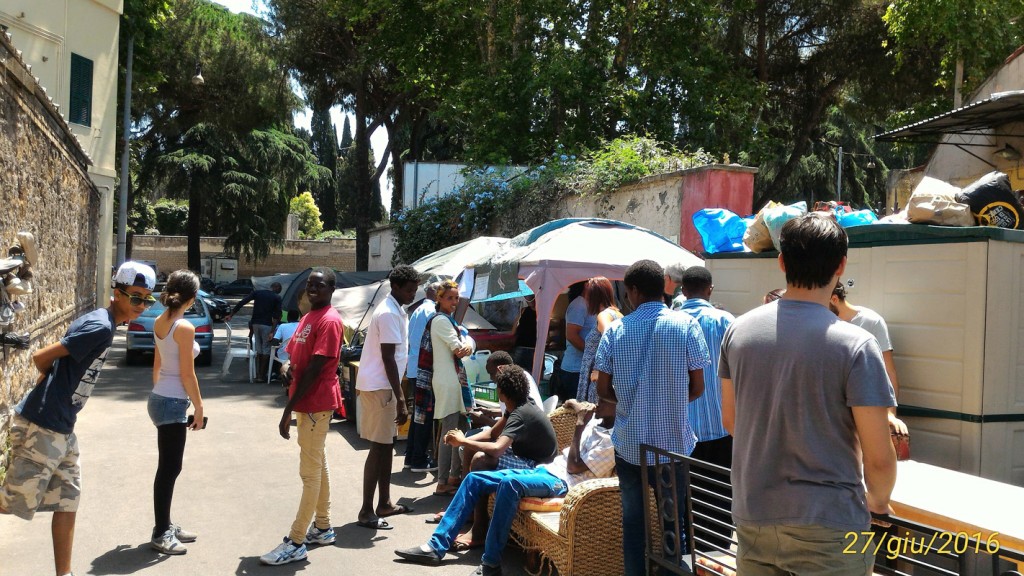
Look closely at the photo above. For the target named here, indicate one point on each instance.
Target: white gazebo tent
(560, 253)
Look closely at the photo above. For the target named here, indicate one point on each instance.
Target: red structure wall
(716, 186)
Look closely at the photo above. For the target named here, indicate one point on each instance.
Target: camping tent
(355, 305)
(555, 255)
(293, 284)
(451, 261)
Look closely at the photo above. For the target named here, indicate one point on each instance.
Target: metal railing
(900, 547)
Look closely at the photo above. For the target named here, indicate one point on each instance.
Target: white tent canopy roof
(562, 252)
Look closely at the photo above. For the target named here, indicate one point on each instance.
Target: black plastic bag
(993, 202)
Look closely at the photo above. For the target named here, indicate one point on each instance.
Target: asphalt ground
(239, 489)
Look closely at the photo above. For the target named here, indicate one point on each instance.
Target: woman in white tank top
(175, 386)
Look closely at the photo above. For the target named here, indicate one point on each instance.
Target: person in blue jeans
(651, 362)
(589, 455)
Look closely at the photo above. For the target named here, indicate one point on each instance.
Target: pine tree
(325, 148)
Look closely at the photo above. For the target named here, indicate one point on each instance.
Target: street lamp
(839, 165)
(198, 80)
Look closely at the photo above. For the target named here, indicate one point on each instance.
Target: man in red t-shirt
(313, 395)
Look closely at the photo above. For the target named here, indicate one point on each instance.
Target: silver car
(140, 332)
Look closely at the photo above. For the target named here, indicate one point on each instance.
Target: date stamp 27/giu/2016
(941, 542)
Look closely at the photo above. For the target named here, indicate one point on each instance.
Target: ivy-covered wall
(505, 202)
(45, 190)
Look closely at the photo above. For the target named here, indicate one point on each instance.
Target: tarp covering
(560, 253)
(355, 305)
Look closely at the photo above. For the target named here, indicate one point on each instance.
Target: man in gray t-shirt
(805, 397)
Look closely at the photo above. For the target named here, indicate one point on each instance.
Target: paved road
(239, 490)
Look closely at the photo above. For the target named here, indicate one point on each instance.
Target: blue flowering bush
(507, 201)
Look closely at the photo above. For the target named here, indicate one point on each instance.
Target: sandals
(463, 546)
(395, 510)
(445, 490)
(375, 524)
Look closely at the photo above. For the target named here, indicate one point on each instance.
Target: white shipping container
(954, 302)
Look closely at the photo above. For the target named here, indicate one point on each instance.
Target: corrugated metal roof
(978, 118)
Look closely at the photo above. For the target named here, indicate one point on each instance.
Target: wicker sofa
(584, 538)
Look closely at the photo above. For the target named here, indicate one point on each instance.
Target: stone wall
(171, 253)
(45, 190)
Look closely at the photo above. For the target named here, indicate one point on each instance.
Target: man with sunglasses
(44, 474)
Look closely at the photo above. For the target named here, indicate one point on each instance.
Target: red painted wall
(715, 186)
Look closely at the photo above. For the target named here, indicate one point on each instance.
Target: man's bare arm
(728, 406)
(878, 455)
(696, 384)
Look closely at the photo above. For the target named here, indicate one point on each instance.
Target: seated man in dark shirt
(591, 455)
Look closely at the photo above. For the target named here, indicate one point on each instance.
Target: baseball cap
(135, 274)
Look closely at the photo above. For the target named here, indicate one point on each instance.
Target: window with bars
(81, 91)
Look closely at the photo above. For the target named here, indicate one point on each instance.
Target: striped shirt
(649, 354)
(706, 411)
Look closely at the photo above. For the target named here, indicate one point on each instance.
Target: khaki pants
(806, 550)
(316, 477)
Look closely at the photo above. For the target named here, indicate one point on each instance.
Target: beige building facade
(962, 159)
(72, 48)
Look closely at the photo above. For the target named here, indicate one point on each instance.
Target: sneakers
(318, 536)
(430, 467)
(285, 552)
(485, 570)
(183, 535)
(168, 543)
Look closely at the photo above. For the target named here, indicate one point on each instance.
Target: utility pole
(122, 210)
(839, 176)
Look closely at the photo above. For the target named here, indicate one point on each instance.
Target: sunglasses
(146, 301)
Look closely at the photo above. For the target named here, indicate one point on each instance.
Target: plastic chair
(550, 404)
(238, 352)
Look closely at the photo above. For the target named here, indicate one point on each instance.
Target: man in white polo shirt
(381, 402)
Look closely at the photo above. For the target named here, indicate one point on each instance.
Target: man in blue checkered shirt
(652, 363)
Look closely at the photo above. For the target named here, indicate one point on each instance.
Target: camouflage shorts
(44, 475)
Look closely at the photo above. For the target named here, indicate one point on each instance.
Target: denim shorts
(164, 410)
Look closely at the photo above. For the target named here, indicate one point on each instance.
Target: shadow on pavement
(251, 565)
(126, 560)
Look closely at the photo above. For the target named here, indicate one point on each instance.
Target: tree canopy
(776, 85)
(228, 144)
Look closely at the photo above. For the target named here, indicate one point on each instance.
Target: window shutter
(81, 91)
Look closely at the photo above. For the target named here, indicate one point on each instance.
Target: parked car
(217, 306)
(140, 332)
(207, 283)
(240, 287)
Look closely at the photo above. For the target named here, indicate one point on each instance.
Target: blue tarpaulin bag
(857, 218)
(720, 230)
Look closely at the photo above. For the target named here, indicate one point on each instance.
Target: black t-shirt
(526, 330)
(531, 432)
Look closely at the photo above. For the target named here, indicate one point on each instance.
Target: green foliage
(978, 33)
(324, 144)
(508, 201)
(171, 216)
(304, 206)
(142, 217)
(328, 234)
(226, 145)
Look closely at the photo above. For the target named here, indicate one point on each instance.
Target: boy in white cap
(44, 474)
